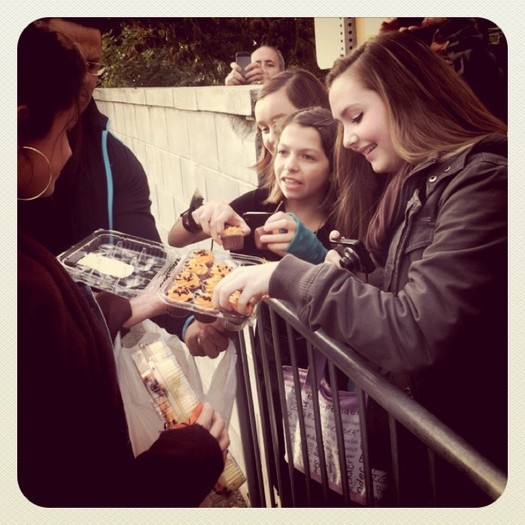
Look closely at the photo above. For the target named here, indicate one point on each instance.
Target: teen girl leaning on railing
(437, 324)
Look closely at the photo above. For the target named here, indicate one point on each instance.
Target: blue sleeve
(306, 245)
(189, 320)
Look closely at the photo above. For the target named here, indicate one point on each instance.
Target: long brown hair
(432, 112)
(303, 90)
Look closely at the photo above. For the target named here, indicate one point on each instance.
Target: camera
(354, 255)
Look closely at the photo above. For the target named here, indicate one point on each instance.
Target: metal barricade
(272, 478)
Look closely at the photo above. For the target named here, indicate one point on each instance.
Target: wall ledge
(232, 100)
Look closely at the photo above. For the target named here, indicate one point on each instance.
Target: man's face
(268, 59)
(89, 42)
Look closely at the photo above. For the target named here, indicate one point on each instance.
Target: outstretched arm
(212, 218)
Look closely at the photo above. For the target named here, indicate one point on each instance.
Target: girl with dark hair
(73, 444)
(282, 95)
(303, 146)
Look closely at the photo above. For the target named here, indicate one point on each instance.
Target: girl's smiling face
(301, 166)
(365, 122)
(268, 110)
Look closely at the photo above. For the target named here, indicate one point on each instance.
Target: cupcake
(203, 299)
(233, 300)
(208, 285)
(220, 270)
(187, 279)
(232, 238)
(198, 268)
(202, 256)
(257, 238)
(180, 293)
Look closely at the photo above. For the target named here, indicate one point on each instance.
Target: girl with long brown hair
(437, 324)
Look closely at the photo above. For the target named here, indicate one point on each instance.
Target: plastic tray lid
(119, 263)
(205, 314)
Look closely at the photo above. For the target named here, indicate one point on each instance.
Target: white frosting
(106, 265)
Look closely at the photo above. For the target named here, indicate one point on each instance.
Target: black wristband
(188, 222)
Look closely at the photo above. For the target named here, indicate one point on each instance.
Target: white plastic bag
(144, 424)
(143, 420)
(223, 385)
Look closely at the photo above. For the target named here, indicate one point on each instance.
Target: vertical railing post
(250, 443)
(405, 418)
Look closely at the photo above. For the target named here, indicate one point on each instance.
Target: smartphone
(256, 219)
(243, 58)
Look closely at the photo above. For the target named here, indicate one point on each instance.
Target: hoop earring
(30, 148)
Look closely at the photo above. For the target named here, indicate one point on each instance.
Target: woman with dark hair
(437, 324)
(103, 185)
(283, 94)
(73, 444)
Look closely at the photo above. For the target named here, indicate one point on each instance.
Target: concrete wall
(189, 138)
(186, 138)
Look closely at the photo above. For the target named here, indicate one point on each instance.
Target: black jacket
(73, 444)
(79, 204)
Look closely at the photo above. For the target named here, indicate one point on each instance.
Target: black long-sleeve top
(73, 443)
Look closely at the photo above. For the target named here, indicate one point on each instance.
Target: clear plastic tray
(114, 262)
(126, 266)
(202, 281)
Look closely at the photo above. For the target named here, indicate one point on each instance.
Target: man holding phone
(263, 63)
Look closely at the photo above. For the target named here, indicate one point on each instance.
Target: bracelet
(188, 222)
(189, 320)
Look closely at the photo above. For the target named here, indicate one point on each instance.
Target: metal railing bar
(245, 403)
(432, 470)
(394, 450)
(317, 422)
(300, 419)
(339, 432)
(282, 400)
(369, 486)
(266, 437)
(271, 409)
(423, 424)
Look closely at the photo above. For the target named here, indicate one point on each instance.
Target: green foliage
(197, 51)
